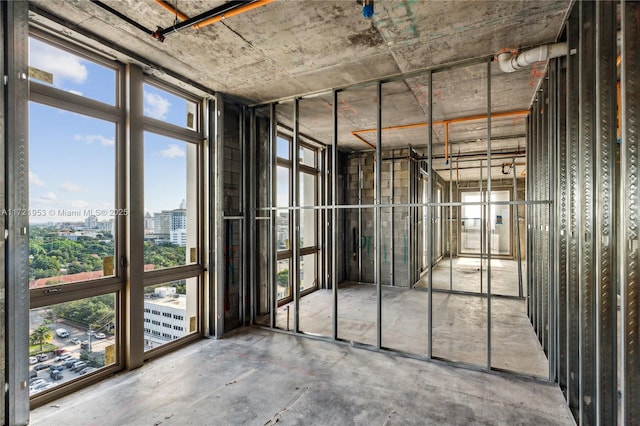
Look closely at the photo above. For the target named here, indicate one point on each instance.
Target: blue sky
(72, 157)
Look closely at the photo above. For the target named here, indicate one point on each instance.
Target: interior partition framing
(420, 160)
(572, 158)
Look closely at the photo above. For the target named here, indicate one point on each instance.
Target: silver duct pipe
(510, 62)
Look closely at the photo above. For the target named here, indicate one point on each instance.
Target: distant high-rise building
(91, 222)
(162, 225)
(148, 223)
(179, 227)
(171, 225)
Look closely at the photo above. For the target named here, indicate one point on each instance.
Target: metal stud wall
(539, 179)
(572, 150)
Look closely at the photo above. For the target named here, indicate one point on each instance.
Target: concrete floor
(459, 325)
(258, 377)
(466, 276)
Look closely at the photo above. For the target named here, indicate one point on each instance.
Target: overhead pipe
(227, 10)
(236, 11)
(356, 133)
(446, 143)
(510, 61)
(173, 10)
(122, 16)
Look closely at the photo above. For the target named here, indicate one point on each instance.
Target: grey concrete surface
(459, 325)
(258, 377)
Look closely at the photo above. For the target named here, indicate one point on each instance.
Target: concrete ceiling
(292, 48)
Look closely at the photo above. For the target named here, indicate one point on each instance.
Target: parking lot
(68, 345)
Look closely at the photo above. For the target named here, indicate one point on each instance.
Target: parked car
(36, 380)
(61, 332)
(33, 360)
(62, 357)
(42, 357)
(56, 375)
(39, 387)
(69, 362)
(91, 333)
(75, 341)
(33, 374)
(79, 366)
(87, 370)
(41, 367)
(101, 336)
(84, 344)
(56, 368)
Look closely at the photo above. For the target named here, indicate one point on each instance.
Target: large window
(172, 218)
(170, 204)
(75, 214)
(81, 223)
(307, 232)
(72, 213)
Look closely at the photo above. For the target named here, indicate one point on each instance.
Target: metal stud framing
(629, 219)
(573, 392)
(586, 83)
(604, 221)
(561, 223)
(16, 385)
(571, 207)
(571, 163)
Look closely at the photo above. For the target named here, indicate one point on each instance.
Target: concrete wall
(263, 227)
(233, 237)
(358, 250)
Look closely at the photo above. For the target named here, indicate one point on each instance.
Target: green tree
(283, 278)
(40, 335)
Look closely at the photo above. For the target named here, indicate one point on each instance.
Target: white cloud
(70, 187)
(34, 179)
(75, 92)
(103, 140)
(156, 106)
(49, 196)
(63, 65)
(173, 151)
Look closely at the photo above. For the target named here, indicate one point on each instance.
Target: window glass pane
(308, 277)
(282, 200)
(170, 108)
(282, 279)
(170, 202)
(71, 339)
(307, 156)
(170, 311)
(72, 193)
(283, 148)
(63, 70)
(307, 216)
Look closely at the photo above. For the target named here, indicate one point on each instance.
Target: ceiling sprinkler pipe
(510, 62)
